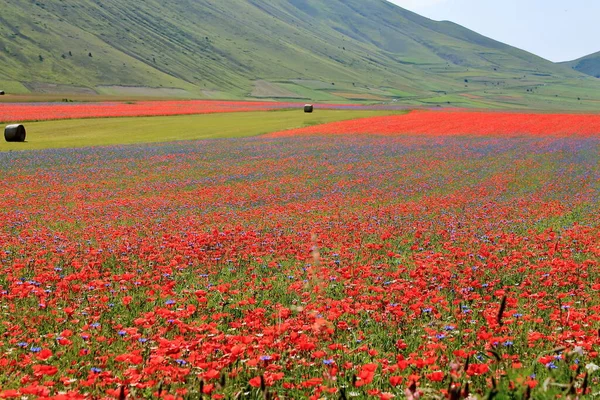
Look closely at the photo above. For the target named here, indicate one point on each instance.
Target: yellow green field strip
(114, 131)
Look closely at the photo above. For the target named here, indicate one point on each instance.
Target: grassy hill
(334, 50)
(589, 65)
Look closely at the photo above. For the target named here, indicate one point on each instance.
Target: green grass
(589, 65)
(12, 87)
(308, 93)
(359, 45)
(116, 131)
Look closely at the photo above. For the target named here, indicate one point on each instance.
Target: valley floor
(353, 265)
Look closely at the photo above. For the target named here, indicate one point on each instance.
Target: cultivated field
(56, 111)
(358, 259)
(115, 131)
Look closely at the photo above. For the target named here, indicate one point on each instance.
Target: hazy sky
(559, 30)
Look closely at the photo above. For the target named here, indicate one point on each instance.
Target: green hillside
(334, 50)
(589, 65)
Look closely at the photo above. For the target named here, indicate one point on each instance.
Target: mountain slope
(330, 50)
(589, 65)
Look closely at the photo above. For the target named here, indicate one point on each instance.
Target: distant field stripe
(460, 123)
(52, 111)
(23, 112)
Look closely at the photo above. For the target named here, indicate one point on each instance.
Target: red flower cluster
(51, 111)
(373, 267)
(461, 123)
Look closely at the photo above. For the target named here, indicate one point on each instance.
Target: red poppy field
(21, 112)
(438, 266)
(53, 111)
(458, 122)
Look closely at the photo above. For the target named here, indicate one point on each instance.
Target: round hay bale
(308, 108)
(2, 93)
(15, 133)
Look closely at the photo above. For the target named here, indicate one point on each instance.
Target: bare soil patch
(145, 91)
(359, 96)
(271, 90)
(43, 87)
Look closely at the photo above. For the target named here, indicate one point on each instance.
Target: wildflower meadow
(357, 265)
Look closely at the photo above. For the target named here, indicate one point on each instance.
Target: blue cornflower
(170, 302)
(35, 349)
(95, 370)
(122, 333)
(265, 358)
(551, 365)
(22, 344)
(328, 362)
